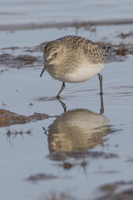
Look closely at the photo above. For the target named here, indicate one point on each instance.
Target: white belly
(81, 74)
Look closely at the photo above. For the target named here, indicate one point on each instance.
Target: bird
(74, 59)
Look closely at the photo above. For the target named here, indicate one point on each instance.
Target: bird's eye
(55, 54)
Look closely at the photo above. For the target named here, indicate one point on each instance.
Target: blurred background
(33, 11)
(46, 153)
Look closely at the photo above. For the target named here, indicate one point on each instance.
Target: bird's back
(91, 50)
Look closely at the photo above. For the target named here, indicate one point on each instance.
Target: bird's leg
(101, 80)
(101, 93)
(102, 106)
(63, 105)
(62, 88)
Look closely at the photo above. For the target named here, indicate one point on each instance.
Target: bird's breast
(77, 74)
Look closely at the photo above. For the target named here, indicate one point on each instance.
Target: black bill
(45, 66)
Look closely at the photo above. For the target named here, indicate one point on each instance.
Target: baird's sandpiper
(74, 59)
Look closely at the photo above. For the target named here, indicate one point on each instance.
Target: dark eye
(55, 54)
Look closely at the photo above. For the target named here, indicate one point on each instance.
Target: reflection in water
(77, 130)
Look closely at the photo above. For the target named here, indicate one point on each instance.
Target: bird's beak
(45, 66)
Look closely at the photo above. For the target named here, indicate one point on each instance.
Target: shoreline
(31, 26)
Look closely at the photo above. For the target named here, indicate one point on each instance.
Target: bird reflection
(77, 130)
(101, 101)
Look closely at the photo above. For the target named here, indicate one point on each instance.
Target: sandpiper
(74, 59)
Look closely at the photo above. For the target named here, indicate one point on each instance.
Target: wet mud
(20, 61)
(40, 177)
(8, 118)
(113, 191)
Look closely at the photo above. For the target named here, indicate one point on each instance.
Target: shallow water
(76, 153)
(32, 11)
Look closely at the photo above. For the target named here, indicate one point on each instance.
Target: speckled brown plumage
(74, 59)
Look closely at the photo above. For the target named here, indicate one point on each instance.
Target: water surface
(79, 151)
